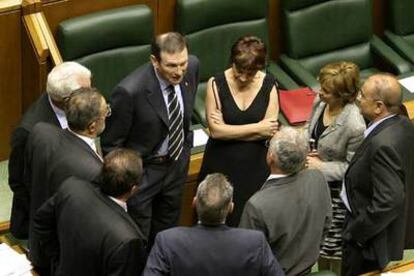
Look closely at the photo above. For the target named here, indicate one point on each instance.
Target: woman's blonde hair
(341, 79)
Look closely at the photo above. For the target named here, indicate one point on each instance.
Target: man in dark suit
(61, 82)
(293, 208)
(86, 230)
(152, 110)
(54, 154)
(377, 180)
(211, 248)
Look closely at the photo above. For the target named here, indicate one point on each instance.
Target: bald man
(377, 180)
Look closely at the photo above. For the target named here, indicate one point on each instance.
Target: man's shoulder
(137, 78)
(176, 234)
(39, 111)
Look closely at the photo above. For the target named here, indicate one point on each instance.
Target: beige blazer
(339, 141)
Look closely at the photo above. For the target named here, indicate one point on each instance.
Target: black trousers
(354, 260)
(157, 204)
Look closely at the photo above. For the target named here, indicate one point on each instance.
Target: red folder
(296, 105)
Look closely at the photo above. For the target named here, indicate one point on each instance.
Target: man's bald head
(380, 96)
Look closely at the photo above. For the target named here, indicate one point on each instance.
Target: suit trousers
(157, 204)
(354, 261)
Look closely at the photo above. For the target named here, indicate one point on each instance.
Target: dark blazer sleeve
(388, 195)
(45, 229)
(119, 124)
(19, 221)
(128, 259)
(157, 263)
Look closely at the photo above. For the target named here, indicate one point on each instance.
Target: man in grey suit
(49, 108)
(293, 208)
(86, 230)
(211, 248)
(54, 154)
(378, 182)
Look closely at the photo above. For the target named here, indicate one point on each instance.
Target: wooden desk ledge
(400, 266)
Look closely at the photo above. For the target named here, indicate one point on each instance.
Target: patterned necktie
(176, 134)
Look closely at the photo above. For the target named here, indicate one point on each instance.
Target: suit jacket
(85, 232)
(53, 155)
(210, 251)
(293, 212)
(377, 183)
(40, 111)
(140, 119)
(338, 142)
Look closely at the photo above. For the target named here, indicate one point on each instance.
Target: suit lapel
(360, 151)
(155, 98)
(184, 85)
(315, 116)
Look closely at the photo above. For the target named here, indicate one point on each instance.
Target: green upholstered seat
(211, 27)
(318, 32)
(111, 43)
(400, 32)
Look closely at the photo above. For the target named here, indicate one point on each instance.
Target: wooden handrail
(50, 41)
(10, 5)
(42, 38)
(36, 36)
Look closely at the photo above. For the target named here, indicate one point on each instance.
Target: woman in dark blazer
(336, 129)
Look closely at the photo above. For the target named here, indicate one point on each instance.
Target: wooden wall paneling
(188, 215)
(275, 29)
(379, 16)
(166, 15)
(10, 76)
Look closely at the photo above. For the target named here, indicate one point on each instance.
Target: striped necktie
(176, 134)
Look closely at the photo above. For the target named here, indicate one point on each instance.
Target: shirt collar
(276, 176)
(120, 203)
(60, 114)
(374, 125)
(88, 140)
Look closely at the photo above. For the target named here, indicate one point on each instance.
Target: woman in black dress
(241, 110)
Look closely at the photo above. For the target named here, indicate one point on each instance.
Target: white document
(405, 273)
(13, 263)
(408, 83)
(200, 137)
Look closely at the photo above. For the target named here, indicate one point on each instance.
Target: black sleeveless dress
(244, 163)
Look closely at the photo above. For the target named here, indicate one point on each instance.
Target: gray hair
(289, 149)
(66, 78)
(84, 107)
(214, 194)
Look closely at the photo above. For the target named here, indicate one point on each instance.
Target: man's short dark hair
(84, 106)
(171, 43)
(121, 171)
(214, 194)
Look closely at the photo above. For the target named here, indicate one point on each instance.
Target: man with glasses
(378, 179)
(61, 82)
(54, 155)
(152, 110)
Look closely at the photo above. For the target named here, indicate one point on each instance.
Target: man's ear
(92, 127)
(231, 207)
(193, 204)
(154, 61)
